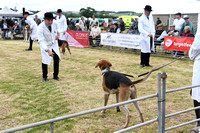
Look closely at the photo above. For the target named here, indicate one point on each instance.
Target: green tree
(87, 12)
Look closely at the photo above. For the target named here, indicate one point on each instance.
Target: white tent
(9, 13)
(40, 15)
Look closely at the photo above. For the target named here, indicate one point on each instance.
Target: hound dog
(117, 83)
(63, 45)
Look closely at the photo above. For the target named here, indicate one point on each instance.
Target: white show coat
(62, 27)
(47, 40)
(33, 26)
(194, 54)
(146, 27)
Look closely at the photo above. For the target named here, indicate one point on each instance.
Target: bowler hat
(59, 11)
(148, 8)
(48, 15)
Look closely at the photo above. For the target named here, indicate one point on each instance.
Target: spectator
(2, 21)
(82, 24)
(16, 29)
(194, 54)
(77, 28)
(116, 29)
(111, 28)
(88, 24)
(135, 26)
(130, 31)
(93, 21)
(36, 19)
(187, 23)
(172, 31)
(68, 23)
(187, 32)
(5, 29)
(95, 35)
(121, 25)
(178, 22)
(159, 30)
(158, 21)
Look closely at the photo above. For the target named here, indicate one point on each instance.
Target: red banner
(182, 44)
(78, 39)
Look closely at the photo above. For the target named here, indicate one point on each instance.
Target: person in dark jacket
(187, 32)
(121, 25)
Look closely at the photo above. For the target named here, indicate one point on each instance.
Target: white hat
(185, 16)
(77, 24)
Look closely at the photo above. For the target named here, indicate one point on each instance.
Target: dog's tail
(63, 47)
(142, 80)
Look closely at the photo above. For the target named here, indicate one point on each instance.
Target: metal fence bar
(52, 127)
(136, 126)
(163, 76)
(184, 88)
(75, 115)
(181, 112)
(159, 104)
(183, 124)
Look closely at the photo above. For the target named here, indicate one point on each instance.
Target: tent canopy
(9, 13)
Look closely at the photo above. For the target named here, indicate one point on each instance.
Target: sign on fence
(78, 39)
(121, 40)
(178, 43)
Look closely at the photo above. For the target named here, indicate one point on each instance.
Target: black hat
(148, 8)
(48, 15)
(59, 11)
(26, 13)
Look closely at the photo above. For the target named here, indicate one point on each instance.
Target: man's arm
(141, 29)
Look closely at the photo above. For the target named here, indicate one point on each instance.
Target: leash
(153, 70)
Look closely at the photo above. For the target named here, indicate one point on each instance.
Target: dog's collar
(105, 71)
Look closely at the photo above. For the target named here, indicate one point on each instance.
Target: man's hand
(170, 33)
(155, 39)
(50, 53)
(57, 37)
(63, 33)
(150, 35)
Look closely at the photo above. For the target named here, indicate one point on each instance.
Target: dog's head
(103, 64)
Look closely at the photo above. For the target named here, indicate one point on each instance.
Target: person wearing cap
(187, 23)
(146, 28)
(178, 22)
(95, 35)
(33, 27)
(62, 28)
(121, 25)
(77, 28)
(47, 39)
(158, 21)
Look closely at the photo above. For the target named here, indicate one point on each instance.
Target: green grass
(25, 99)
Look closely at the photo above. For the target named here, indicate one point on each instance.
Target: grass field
(25, 99)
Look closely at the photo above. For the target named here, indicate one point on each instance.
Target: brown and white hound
(117, 83)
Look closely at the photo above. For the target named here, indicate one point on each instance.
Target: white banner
(121, 40)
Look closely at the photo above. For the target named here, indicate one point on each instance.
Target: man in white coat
(62, 28)
(47, 38)
(146, 28)
(33, 27)
(194, 54)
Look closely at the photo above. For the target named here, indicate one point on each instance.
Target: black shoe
(142, 66)
(56, 78)
(45, 80)
(149, 65)
(28, 49)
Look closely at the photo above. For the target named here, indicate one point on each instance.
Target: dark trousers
(145, 57)
(55, 64)
(31, 44)
(97, 38)
(197, 111)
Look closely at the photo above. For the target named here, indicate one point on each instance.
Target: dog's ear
(97, 65)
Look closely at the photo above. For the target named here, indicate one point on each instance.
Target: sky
(158, 6)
